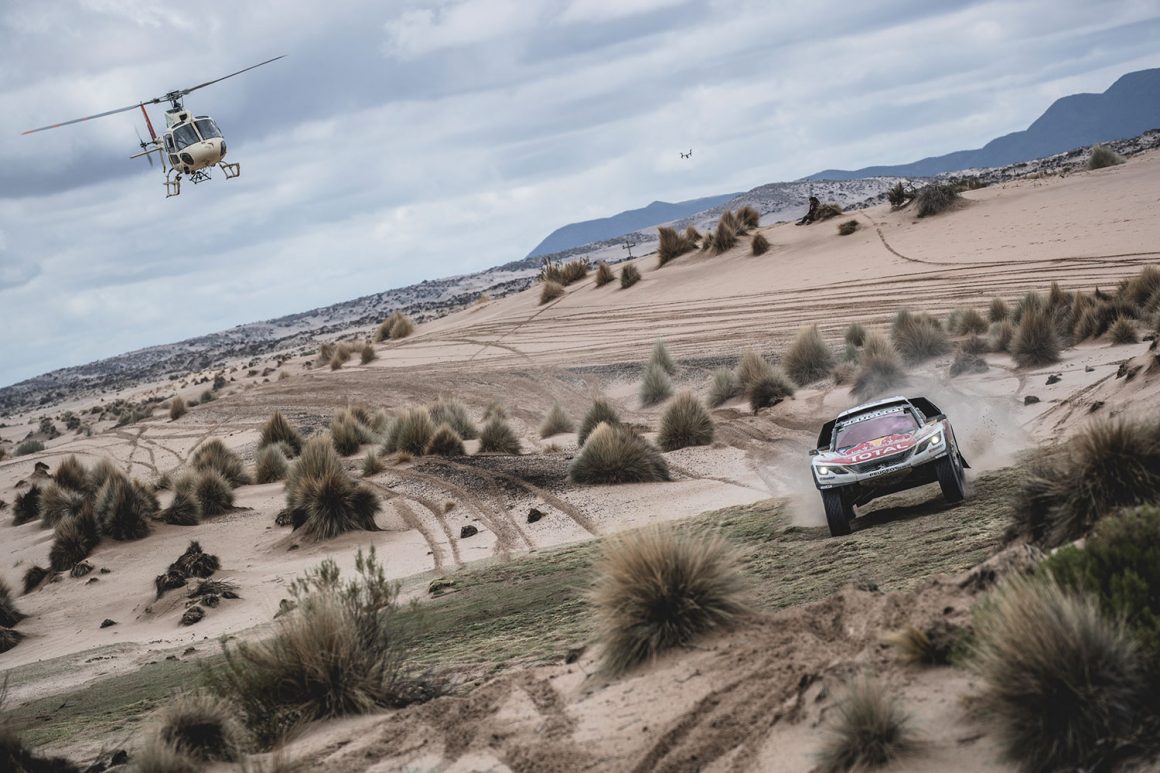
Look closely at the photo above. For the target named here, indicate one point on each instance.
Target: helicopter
(190, 144)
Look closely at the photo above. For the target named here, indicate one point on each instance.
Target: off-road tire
(951, 478)
(838, 513)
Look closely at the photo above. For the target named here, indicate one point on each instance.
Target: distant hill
(1128, 108)
(577, 234)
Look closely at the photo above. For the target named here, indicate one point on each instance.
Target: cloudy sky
(402, 140)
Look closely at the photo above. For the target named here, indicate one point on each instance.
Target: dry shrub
(693, 235)
(157, 756)
(323, 500)
(550, 292)
(346, 433)
(1030, 302)
(748, 217)
(1141, 290)
(74, 540)
(28, 447)
(918, 338)
(184, 510)
(213, 455)
(770, 389)
(898, 195)
(971, 321)
(998, 310)
(879, 369)
(325, 354)
(396, 326)
(847, 228)
(855, 334)
(808, 359)
(367, 353)
(655, 591)
(601, 411)
(723, 387)
(685, 422)
(121, 510)
(660, 356)
(1036, 341)
(967, 362)
(843, 373)
(828, 210)
(629, 275)
(1123, 331)
(494, 409)
(708, 242)
(1111, 464)
(616, 453)
(1002, 336)
(566, 273)
(445, 442)
(935, 198)
(974, 344)
(760, 244)
(1062, 682)
(26, 507)
(9, 614)
(33, 577)
(869, 729)
(498, 436)
(1102, 157)
(71, 474)
(411, 432)
(278, 430)
(655, 385)
(372, 464)
(213, 493)
(203, 726)
(453, 412)
(672, 245)
(556, 421)
(270, 464)
(751, 369)
(725, 235)
(604, 274)
(344, 649)
(57, 502)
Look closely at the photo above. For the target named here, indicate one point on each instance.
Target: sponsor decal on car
(875, 449)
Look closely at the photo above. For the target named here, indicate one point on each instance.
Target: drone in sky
(687, 155)
(190, 144)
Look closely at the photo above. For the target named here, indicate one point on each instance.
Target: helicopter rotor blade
(183, 92)
(144, 145)
(86, 118)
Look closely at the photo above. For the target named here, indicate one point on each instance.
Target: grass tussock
(723, 387)
(497, 436)
(73, 541)
(367, 353)
(71, 474)
(1036, 341)
(616, 453)
(9, 614)
(278, 430)
(213, 493)
(759, 245)
(28, 447)
(322, 498)
(966, 362)
(808, 358)
(1142, 289)
(655, 385)
(855, 334)
(1122, 332)
(202, 726)
(450, 411)
(372, 463)
(556, 421)
(660, 356)
(848, 227)
(270, 465)
(998, 311)
(725, 235)
(1103, 157)
(601, 411)
(604, 274)
(868, 730)
(935, 198)
(1111, 464)
(33, 577)
(880, 369)
(213, 455)
(748, 217)
(184, 510)
(685, 422)
(770, 390)
(1062, 682)
(629, 275)
(411, 432)
(1002, 335)
(177, 408)
(918, 338)
(346, 433)
(828, 210)
(971, 321)
(445, 442)
(344, 649)
(672, 245)
(564, 273)
(122, 510)
(550, 291)
(397, 325)
(57, 502)
(899, 195)
(656, 591)
(751, 369)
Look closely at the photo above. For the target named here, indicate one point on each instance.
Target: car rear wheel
(951, 478)
(838, 512)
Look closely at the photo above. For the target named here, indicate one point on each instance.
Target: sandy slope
(1084, 230)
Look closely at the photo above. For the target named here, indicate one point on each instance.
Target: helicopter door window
(207, 128)
(185, 135)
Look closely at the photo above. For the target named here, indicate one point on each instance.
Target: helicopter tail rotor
(144, 146)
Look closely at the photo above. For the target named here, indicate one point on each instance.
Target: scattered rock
(20, 484)
(189, 650)
(535, 515)
(91, 580)
(1019, 559)
(108, 622)
(468, 531)
(574, 654)
(440, 585)
(866, 584)
(3, 505)
(105, 570)
(1088, 369)
(293, 546)
(1095, 406)
(1030, 400)
(284, 606)
(40, 469)
(81, 569)
(192, 615)
(284, 517)
(168, 581)
(1054, 378)
(9, 638)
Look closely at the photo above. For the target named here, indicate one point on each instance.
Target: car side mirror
(813, 452)
(938, 417)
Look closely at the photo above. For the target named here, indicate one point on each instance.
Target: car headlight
(932, 442)
(831, 469)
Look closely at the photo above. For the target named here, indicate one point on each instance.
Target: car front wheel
(838, 512)
(951, 478)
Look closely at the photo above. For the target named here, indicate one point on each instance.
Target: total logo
(873, 449)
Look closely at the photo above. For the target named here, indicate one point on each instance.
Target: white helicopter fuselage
(192, 143)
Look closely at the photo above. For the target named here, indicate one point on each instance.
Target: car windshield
(207, 128)
(896, 422)
(184, 135)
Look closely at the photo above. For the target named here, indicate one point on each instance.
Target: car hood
(887, 445)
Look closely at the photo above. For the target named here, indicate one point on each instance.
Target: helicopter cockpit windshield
(206, 127)
(184, 135)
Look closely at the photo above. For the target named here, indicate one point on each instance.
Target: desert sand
(755, 699)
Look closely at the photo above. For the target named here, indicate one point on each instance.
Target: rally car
(881, 448)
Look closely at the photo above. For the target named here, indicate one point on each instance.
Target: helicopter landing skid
(172, 185)
(231, 170)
